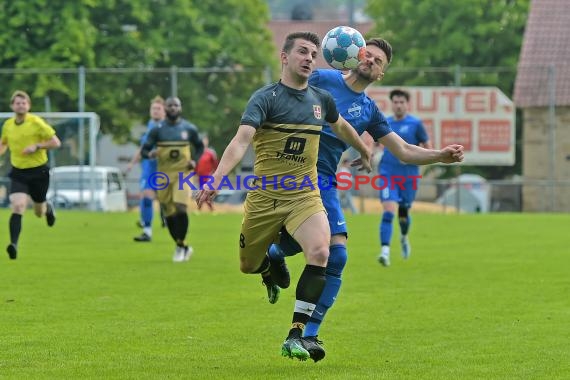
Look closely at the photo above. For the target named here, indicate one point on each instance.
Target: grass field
(482, 297)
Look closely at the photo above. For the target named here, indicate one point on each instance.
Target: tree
(37, 36)
(446, 33)
(431, 38)
(151, 36)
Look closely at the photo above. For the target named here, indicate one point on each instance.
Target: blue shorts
(399, 186)
(148, 167)
(335, 216)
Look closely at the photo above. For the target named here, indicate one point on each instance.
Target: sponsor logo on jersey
(317, 111)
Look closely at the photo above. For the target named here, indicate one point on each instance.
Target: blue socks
(335, 266)
(146, 211)
(386, 228)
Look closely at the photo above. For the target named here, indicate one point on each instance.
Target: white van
(70, 187)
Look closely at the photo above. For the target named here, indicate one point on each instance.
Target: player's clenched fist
(452, 153)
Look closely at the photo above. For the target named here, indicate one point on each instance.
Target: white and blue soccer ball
(343, 47)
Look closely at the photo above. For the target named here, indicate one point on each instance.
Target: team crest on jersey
(355, 110)
(317, 111)
(184, 135)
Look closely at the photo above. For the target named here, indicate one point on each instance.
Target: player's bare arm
(233, 154)
(3, 148)
(347, 133)
(48, 144)
(413, 154)
(134, 160)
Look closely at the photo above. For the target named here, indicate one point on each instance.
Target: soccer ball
(343, 47)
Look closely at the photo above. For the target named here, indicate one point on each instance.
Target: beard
(172, 116)
(365, 75)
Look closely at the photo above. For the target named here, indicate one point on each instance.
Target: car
(98, 188)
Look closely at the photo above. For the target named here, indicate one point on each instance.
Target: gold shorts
(172, 194)
(264, 217)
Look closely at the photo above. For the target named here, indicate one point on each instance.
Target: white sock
(386, 250)
(148, 231)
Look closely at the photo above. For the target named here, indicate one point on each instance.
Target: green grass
(482, 297)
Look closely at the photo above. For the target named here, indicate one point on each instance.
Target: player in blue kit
(148, 167)
(363, 114)
(399, 198)
(284, 121)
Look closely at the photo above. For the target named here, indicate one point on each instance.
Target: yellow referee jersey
(33, 130)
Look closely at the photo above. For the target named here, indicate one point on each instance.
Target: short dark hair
(307, 36)
(400, 92)
(383, 45)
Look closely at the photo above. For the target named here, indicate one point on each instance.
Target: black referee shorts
(32, 181)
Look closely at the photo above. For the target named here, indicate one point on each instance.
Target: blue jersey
(148, 165)
(356, 107)
(412, 131)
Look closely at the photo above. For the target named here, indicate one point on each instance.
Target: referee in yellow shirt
(28, 137)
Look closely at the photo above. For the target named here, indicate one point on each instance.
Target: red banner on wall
(482, 119)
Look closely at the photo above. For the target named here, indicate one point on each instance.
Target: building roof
(545, 56)
(281, 28)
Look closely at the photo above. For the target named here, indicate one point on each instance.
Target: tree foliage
(149, 35)
(451, 42)
(447, 33)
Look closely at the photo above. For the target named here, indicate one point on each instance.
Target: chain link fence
(538, 181)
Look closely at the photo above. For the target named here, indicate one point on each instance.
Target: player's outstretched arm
(413, 154)
(233, 154)
(134, 160)
(347, 133)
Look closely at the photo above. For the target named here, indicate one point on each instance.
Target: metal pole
(351, 13)
(552, 129)
(173, 81)
(50, 152)
(94, 124)
(81, 132)
(457, 79)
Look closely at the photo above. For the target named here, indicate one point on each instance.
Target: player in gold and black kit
(170, 144)
(284, 121)
(28, 137)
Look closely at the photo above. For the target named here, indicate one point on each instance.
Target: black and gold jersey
(172, 143)
(286, 143)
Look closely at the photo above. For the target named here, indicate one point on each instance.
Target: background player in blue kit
(393, 198)
(363, 114)
(148, 166)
